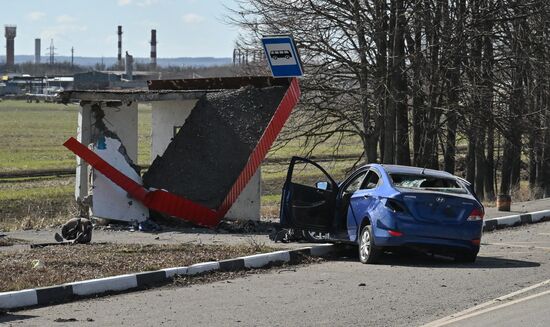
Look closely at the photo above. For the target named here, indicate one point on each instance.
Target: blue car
(382, 207)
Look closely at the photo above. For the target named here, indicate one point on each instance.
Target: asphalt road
(406, 290)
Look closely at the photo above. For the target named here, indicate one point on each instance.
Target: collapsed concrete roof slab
(217, 83)
(212, 148)
(128, 96)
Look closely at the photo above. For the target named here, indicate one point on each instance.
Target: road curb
(516, 220)
(130, 282)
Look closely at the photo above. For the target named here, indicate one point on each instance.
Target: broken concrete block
(212, 148)
(110, 201)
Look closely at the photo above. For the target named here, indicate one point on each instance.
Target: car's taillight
(476, 242)
(394, 233)
(476, 215)
(394, 205)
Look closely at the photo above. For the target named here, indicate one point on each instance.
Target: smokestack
(153, 49)
(120, 45)
(11, 32)
(129, 66)
(37, 51)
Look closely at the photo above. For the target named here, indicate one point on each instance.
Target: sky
(185, 28)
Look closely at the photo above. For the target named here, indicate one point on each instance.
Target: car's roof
(399, 169)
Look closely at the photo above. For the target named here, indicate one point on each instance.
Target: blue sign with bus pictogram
(282, 56)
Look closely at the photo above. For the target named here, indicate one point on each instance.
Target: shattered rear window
(428, 183)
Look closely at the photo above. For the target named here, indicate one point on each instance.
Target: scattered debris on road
(78, 230)
(65, 320)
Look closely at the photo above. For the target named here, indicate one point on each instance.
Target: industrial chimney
(37, 51)
(119, 45)
(129, 66)
(11, 31)
(153, 49)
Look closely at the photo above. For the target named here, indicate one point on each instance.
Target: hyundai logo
(439, 199)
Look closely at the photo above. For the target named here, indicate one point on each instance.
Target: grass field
(32, 135)
(32, 138)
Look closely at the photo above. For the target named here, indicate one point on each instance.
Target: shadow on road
(10, 317)
(411, 258)
(423, 260)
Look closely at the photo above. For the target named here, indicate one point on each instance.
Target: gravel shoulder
(54, 265)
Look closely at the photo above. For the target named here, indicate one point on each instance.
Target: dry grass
(525, 193)
(7, 241)
(36, 203)
(69, 263)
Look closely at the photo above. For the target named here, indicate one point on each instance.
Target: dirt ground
(52, 265)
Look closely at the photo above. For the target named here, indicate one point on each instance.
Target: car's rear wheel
(466, 257)
(368, 251)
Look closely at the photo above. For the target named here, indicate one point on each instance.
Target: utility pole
(72, 57)
(52, 53)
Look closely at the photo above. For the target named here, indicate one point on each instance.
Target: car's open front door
(308, 199)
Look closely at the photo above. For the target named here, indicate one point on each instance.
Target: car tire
(315, 237)
(368, 251)
(467, 257)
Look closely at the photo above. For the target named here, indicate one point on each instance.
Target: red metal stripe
(137, 191)
(158, 200)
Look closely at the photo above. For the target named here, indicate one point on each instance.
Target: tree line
(458, 85)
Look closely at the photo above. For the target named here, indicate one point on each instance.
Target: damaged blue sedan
(383, 207)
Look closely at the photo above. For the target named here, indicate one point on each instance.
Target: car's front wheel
(368, 251)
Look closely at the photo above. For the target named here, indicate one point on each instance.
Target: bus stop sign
(282, 56)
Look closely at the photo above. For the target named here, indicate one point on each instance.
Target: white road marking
(473, 311)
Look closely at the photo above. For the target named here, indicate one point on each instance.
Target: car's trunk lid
(438, 207)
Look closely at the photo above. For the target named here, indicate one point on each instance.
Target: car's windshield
(427, 182)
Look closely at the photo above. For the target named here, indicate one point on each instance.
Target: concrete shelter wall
(121, 120)
(248, 204)
(165, 116)
(84, 136)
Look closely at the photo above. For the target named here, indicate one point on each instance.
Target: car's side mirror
(322, 185)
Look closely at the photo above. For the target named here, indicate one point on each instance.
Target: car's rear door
(304, 204)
